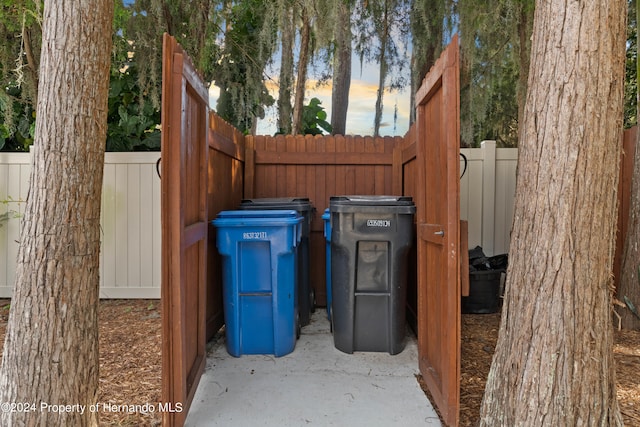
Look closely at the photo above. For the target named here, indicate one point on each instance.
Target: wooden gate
(185, 116)
(438, 219)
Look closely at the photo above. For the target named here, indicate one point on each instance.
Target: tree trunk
(286, 73)
(524, 27)
(382, 60)
(32, 64)
(553, 364)
(427, 40)
(629, 286)
(50, 355)
(341, 71)
(303, 63)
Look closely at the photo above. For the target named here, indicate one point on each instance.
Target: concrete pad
(315, 385)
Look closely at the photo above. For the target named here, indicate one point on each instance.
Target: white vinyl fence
(130, 246)
(487, 195)
(130, 252)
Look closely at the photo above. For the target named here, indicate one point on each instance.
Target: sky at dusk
(362, 102)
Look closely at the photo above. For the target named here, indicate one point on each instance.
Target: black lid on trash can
(298, 203)
(398, 204)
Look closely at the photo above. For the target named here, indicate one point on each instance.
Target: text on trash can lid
(252, 235)
(378, 223)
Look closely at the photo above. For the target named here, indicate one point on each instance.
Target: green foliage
(132, 122)
(21, 34)
(631, 70)
(239, 72)
(314, 119)
(491, 81)
(18, 127)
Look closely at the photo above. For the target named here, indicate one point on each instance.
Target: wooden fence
(250, 167)
(320, 167)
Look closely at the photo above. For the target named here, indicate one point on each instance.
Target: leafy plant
(314, 118)
(18, 128)
(133, 124)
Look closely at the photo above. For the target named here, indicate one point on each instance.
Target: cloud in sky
(361, 112)
(362, 103)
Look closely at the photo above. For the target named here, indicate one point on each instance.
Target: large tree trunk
(286, 73)
(427, 19)
(382, 70)
(553, 364)
(303, 63)
(51, 349)
(341, 70)
(524, 53)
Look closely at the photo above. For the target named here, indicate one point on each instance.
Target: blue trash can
(326, 217)
(302, 205)
(259, 287)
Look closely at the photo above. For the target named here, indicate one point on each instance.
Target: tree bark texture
(341, 70)
(524, 54)
(50, 355)
(303, 63)
(286, 72)
(553, 364)
(382, 70)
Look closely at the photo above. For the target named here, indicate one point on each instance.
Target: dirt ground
(130, 360)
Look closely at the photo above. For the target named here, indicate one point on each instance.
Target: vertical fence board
(108, 214)
(146, 224)
(229, 153)
(341, 171)
(121, 232)
(133, 225)
(331, 170)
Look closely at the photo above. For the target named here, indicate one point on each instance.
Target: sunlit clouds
(362, 104)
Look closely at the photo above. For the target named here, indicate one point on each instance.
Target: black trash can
(370, 239)
(485, 275)
(306, 295)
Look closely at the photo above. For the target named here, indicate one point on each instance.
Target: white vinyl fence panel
(130, 245)
(487, 195)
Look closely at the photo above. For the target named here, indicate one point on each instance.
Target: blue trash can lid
(326, 215)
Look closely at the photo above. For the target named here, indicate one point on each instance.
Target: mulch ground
(130, 360)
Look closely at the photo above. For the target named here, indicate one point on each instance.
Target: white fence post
(488, 195)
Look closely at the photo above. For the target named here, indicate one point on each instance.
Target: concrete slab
(315, 385)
